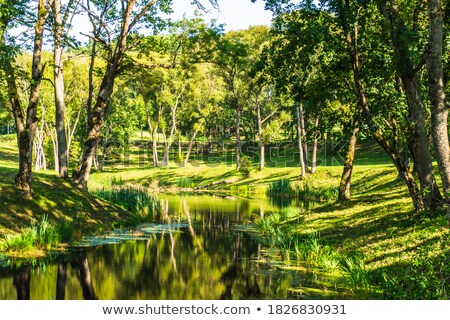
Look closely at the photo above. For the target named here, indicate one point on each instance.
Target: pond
(199, 249)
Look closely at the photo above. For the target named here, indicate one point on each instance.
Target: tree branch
(143, 11)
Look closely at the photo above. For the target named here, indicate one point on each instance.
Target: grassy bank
(64, 211)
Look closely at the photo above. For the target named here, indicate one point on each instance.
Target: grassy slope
(54, 197)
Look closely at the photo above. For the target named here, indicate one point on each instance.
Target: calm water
(197, 250)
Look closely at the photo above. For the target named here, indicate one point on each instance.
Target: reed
(137, 200)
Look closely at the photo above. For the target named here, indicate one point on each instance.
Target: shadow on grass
(58, 199)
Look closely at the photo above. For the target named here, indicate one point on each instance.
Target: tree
(407, 70)
(26, 124)
(131, 13)
(436, 85)
(302, 48)
(234, 53)
(60, 24)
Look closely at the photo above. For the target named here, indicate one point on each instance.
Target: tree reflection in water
(198, 255)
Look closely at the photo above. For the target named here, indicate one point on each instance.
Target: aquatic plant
(355, 272)
(185, 183)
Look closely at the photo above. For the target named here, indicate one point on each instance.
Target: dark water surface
(197, 250)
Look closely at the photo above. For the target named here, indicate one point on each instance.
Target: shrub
(246, 167)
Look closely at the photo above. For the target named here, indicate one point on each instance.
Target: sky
(235, 14)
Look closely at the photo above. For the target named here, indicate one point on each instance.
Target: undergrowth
(310, 250)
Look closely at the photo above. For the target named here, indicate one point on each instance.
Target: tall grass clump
(311, 250)
(354, 270)
(306, 191)
(136, 200)
(185, 183)
(42, 235)
(281, 188)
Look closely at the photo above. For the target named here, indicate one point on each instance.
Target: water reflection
(198, 255)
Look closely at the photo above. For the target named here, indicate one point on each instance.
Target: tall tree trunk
(71, 132)
(300, 138)
(315, 145)
(402, 167)
(153, 134)
(155, 147)
(344, 186)
(166, 150)
(26, 126)
(97, 115)
(54, 145)
(191, 144)
(420, 145)
(419, 137)
(60, 105)
(304, 143)
(260, 135)
(238, 137)
(439, 111)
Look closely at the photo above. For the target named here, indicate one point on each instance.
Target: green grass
(303, 190)
(375, 238)
(41, 235)
(71, 211)
(136, 200)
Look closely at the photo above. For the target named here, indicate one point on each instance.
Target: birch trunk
(238, 138)
(300, 138)
(261, 137)
(191, 144)
(315, 145)
(58, 76)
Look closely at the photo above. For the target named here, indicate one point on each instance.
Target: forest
(306, 159)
